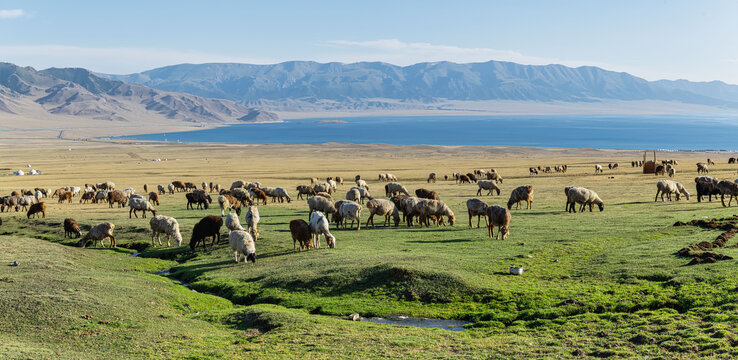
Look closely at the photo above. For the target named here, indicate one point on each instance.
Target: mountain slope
(80, 93)
(425, 82)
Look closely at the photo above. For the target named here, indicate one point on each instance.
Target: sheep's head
(504, 231)
(601, 205)
(451, 219)
(178, 237)
(251, 257)
(331, 240)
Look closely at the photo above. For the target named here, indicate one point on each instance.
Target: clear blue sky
(695, 40)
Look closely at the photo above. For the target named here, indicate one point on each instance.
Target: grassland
(601, 284)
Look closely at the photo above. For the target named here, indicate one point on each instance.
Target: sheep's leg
(236, 255)
(479, 219)
(113, 243)
(722, 199)
(657, 195)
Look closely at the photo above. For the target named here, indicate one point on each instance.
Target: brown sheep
(117, 197)
(259, 195)
(427, 194)
(71, 228)
(65, 196)
(339, 180)
(36, 208)
(521, 193)
(146, 188)
(300, 234)
(154, 198)
(179, 186)
(304, 190)
(88, 196)
(464, 179)
(500, 217)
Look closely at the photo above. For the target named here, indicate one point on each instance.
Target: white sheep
(242, 243)
(332, 183)
(382, 207)
(350, 210)
(362, 184)
(598, 168)
(38, 194)
(426, 209)
(238, 184)
(584, 197)
(668, 187)
(99, 233)
(488, 185)
(171, 188)
(319, 203)
(161, 189)
(364, 193)
(252, 219)
(319, 225)
(393, 188)
(168, 225)
(390, 177)
(353, 195)
(232, 223)
(75, 190)
(140, 204)
(281, 194)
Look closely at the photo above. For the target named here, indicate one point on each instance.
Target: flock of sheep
(423, 209)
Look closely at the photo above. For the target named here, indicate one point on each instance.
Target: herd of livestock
(423, 209)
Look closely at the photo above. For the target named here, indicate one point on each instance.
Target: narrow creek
(402, 320)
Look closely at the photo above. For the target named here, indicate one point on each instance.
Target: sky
(693, 40)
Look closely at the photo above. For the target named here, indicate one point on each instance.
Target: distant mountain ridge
(424, 82)
(79, 92)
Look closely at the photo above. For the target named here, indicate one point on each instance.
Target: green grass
(605, 284)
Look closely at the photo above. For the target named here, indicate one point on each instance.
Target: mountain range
(78, 93)
(374, 83)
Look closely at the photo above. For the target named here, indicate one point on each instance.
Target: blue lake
(675, 132)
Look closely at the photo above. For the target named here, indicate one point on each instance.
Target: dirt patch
(698, 252)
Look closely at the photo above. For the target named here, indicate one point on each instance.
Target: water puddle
(453, 325)
(166, 273)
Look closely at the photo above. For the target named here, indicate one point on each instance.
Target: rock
(354, 317)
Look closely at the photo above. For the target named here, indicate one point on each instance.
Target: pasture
(601, 284)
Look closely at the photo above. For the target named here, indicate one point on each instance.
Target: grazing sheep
(706, 186)
(494, 176)
(190, 186)
(393, 188)
(204, 185)
(732, 160)
(702, 168)
(431, 177)
(154, 198)
(426, 208)
(727, 187)
(314, 180)
(500, 217)
(477, 208)
(322, 187)
(362, 184)
(710, 162)
(36, 208)
(65, 196)
(26, 201)
(101, 196)
(242, 196)
(659, 170)
(179, 186)
(171, 188)
(118, 197)
(319, 225)
(162, 190)
(350, 210)
(319, 203)
(140, 204)
(583, 196)
(384, 208)
(232, 223)
(364, 193)
(427, 194)
(270, 192)
(332, 184)
(161, 224)
(252, 219)
(253, 185)
(228, 202)
(353, 195)
(382, 177)
(488, 185)
(598, 168)
(206, 227)
(71, 228)
(668, 187)
(242, 243)
(146, 188)
(404, 204)
(533, 171)
(672, 172)
(464, 179)
(304, 190)
(38, 195)
(199, 197)
(211, 186)
(258, 194)
(521, 193)
(99, 233)
(281, 195)
(301, 234)
(471, 177)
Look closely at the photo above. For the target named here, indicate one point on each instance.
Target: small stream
(452, 325)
